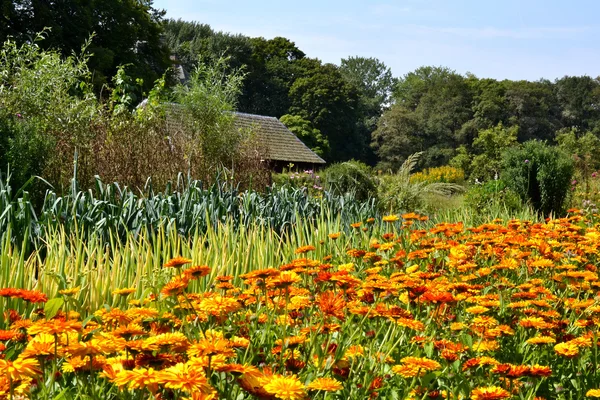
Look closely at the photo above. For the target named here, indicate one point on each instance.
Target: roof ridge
(255, 115)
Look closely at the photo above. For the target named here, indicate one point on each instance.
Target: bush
(492, 196)
(350, 177)
(446, 174)
(539, 174)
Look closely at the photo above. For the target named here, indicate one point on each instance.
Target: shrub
(446, 174)
(350, 177)
(491, 197)
(539, 174)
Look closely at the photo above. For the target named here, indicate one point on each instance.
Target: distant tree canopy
(448, 116)
(127, 32)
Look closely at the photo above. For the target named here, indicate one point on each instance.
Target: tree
(271, 73)
(396, 137)
(488, 146)
(322, 96)
(533, 107)
(438, 101)
(126, 32)
(374, 82)
(305, 131)
(579, 100)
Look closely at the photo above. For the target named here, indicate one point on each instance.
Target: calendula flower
(304, 249)
(123, 292)
(325, 384)
(182, 377)
(285, 387)
(566, 349)
(177, 262)
(489, 393)
(593, 393)
(32, 296)
(390, 218)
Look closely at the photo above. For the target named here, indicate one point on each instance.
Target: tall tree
(579, 99)
(126, 32)
(322, 96)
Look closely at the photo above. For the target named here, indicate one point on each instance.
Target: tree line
(354, 110)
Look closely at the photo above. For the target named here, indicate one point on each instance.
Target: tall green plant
(540, 174)
(207, 100)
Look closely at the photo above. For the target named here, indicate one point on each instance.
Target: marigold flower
(390, 218)
(138, 378)
(182, 377)
(304, 249)
(325, 384)
(123, 292)
(566, 349)
(489, 393)
(593, 393)
(32, 296)
(177, 262)
(285, 387)
(19, 369)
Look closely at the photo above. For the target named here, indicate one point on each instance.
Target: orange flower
(285, 387)
(304, 249)
(325, 384)
(566, 349)
(489, 393)
(32, 296)
(593, 393)
(182, 377)
(177, 262)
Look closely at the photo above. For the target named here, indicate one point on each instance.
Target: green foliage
(208, 100)
(126, 32)
(490, 197)
(540, 174)
(41, 94)
(306, 132)
(352, 177)
(110, 212)
(485, 163)
(322, 96)
(398, 192)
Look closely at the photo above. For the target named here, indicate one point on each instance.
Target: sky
(507, 39)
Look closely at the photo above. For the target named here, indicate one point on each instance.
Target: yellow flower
(593, 393)
(489, 393)
(325, 384)
(182, 377)
(285, 387)
(124, 291)
(391, 218)
(566, 349)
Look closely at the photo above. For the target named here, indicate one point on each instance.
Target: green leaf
(52, 307)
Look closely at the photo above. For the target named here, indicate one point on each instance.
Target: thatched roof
(281, 144)
(278, 142)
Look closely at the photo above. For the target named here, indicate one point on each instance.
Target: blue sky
(510, 39)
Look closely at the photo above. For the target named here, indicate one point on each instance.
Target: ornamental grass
(400, 308)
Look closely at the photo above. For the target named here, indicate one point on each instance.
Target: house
(281, 146)
(278, 145)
